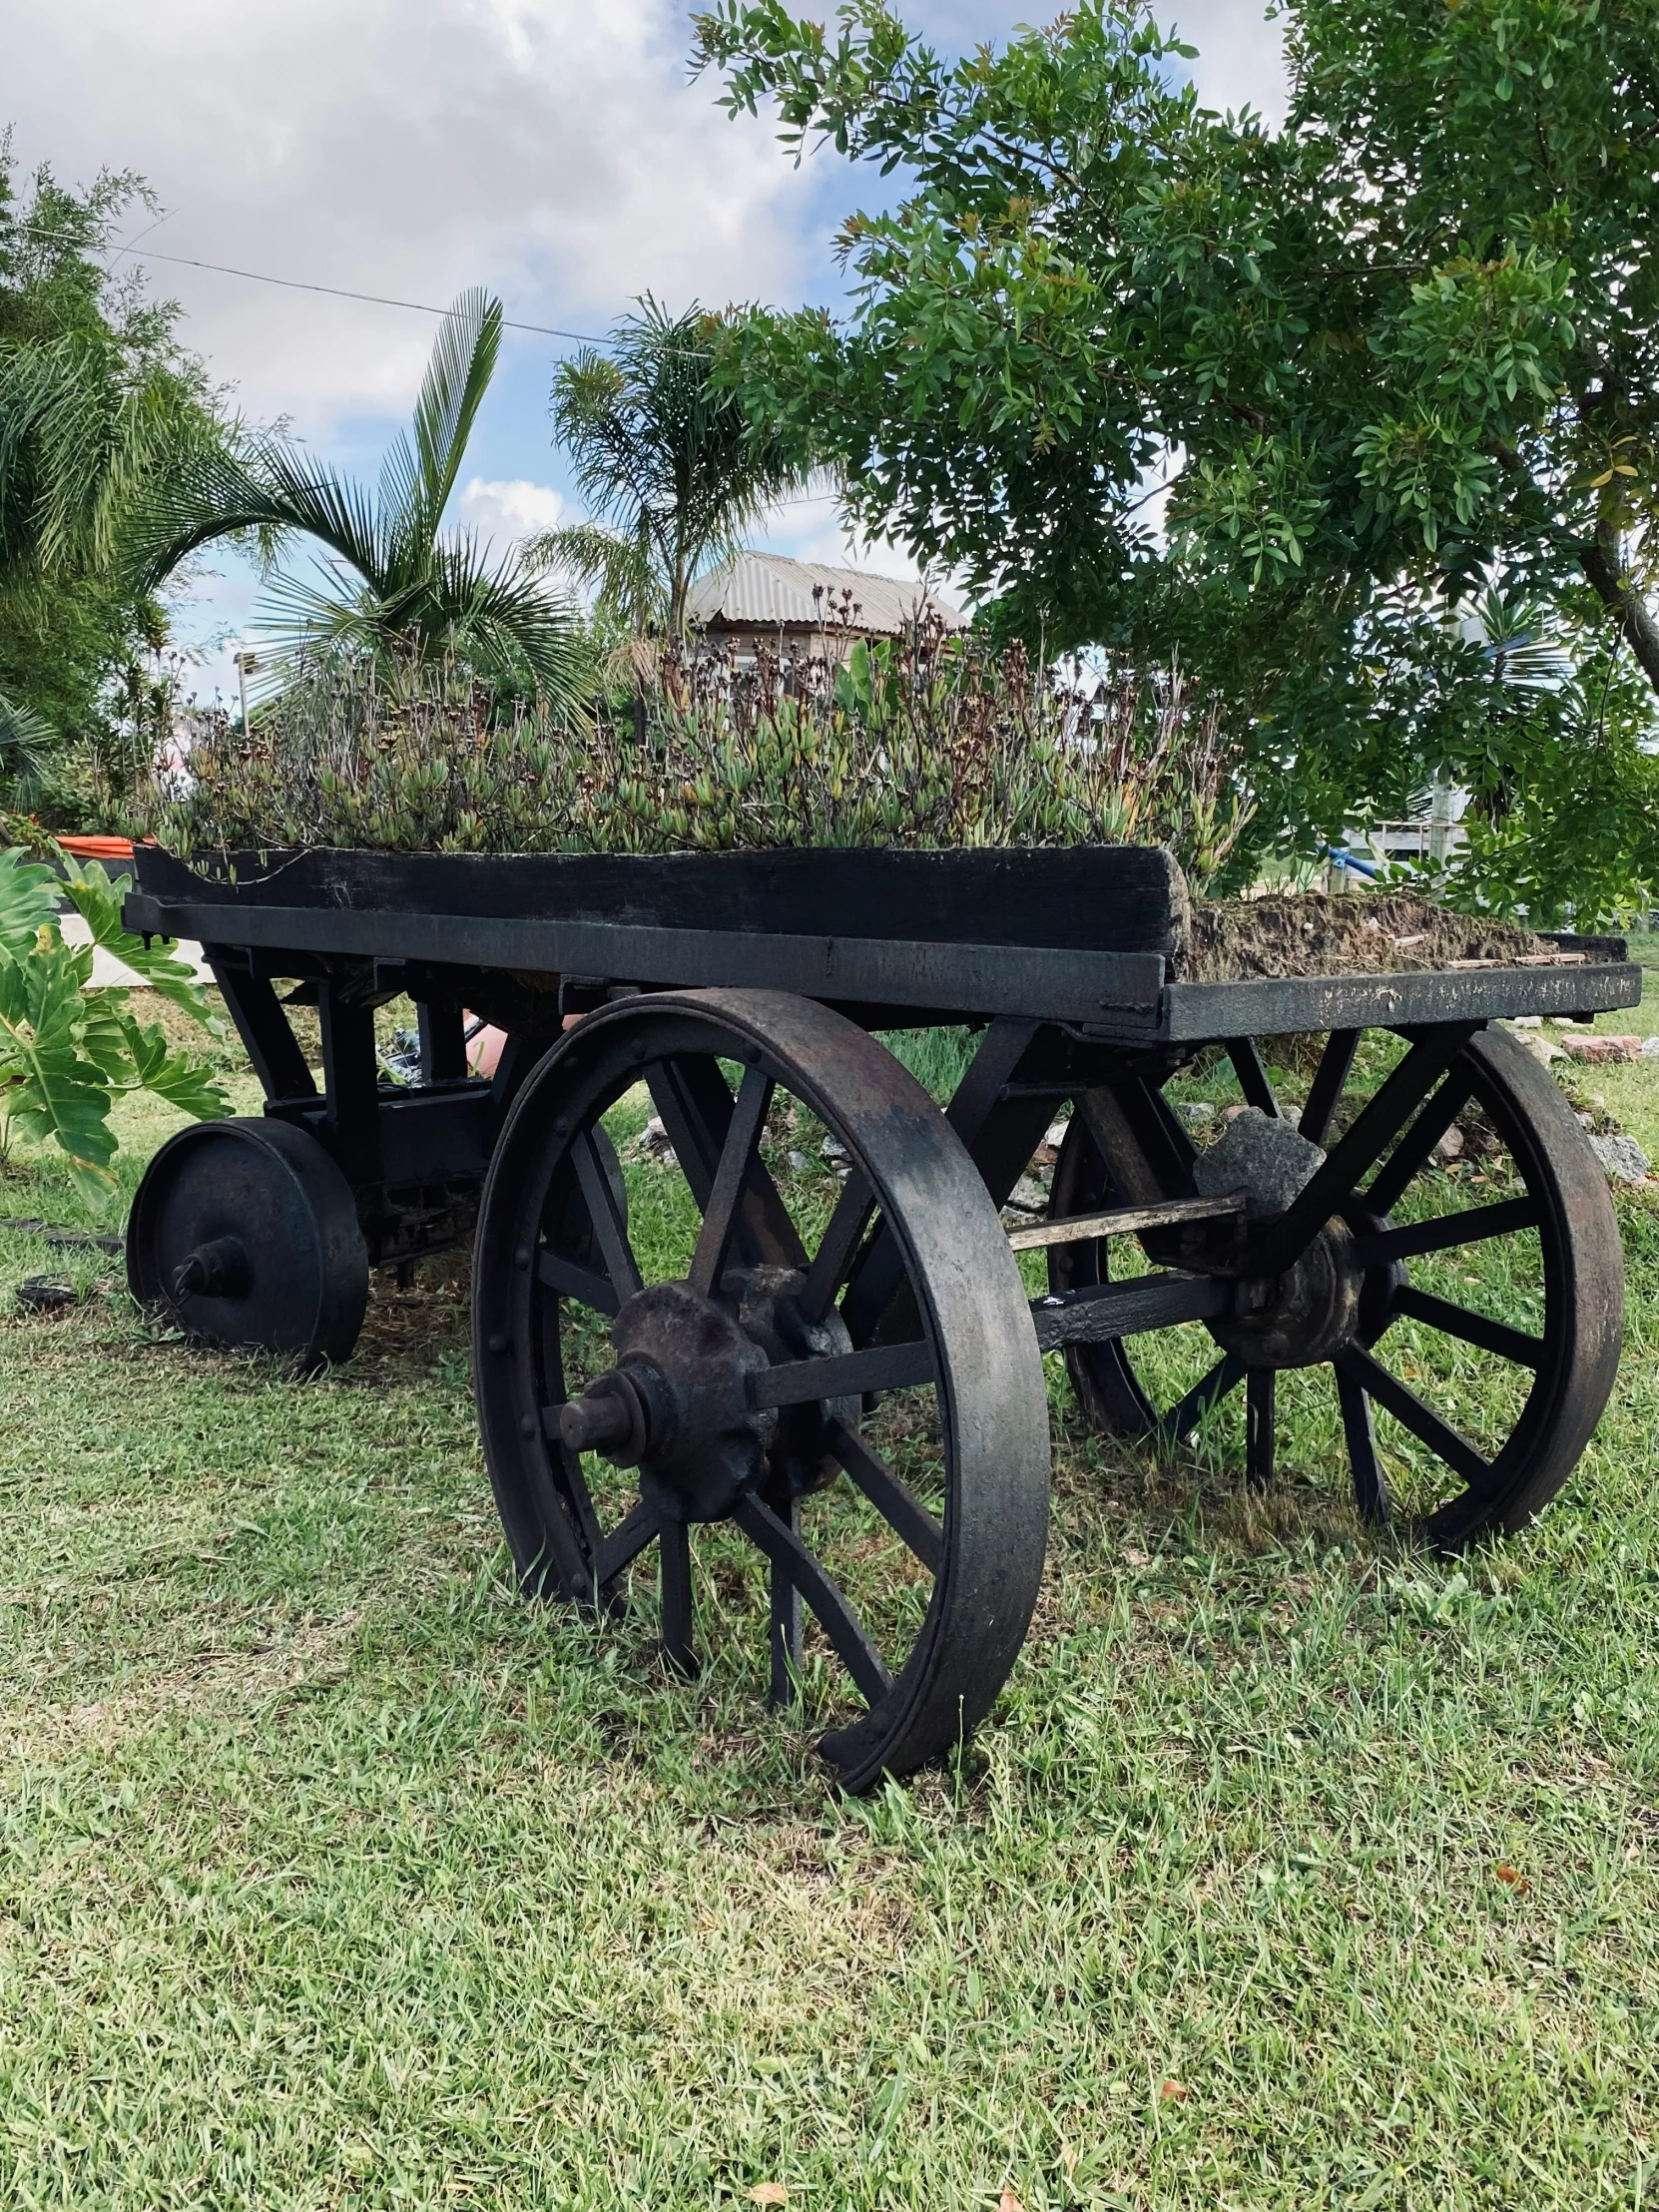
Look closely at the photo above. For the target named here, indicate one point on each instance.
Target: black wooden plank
(1128, 898)
(969, 978)
(1080, 936)
(1279, 1006)
(1102, 1310)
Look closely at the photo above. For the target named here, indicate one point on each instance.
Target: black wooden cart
(852, 1382)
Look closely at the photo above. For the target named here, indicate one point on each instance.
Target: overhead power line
(340, 292)
(294, 284)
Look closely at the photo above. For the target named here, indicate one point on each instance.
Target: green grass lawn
(1294, 1869)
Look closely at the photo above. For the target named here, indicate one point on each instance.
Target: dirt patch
(1356, 933)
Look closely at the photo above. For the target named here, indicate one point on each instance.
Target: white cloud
(550, 148)
(1241, 56)
(508, 508)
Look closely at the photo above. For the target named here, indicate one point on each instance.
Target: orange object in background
(485, 1046)
(97, 849)
(484, 1049)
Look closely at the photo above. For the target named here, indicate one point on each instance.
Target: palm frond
(407, 590)
(663, 451)
(88, 429)
(26, 743)
(419, 475)
(268, 487)
(505, 620)
(621, 572)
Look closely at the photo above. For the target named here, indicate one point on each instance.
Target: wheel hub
(676, 1404)
(1303, 1316)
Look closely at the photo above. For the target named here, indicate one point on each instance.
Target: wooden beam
(1085, 1227)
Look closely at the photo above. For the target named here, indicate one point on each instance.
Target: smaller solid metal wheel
(800, 1370)
(245, 1233)
(1467, 1321)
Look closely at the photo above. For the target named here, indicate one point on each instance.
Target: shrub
(69, 1047)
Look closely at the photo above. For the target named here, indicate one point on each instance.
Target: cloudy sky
(551, 149)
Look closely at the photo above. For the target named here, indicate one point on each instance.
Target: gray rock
(1028, 1196)
(1267, 1159)
(1623, 1159)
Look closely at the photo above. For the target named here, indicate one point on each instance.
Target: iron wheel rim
(1575, 1355)
(921, 1198)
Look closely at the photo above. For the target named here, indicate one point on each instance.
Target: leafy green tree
(1372, 364)
(97, 401)
(668, 463)
(397, 583)
(68, 1047)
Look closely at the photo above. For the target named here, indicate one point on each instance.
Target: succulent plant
(933, 741)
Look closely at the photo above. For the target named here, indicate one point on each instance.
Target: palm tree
(415, 592)
(97, 402)
(666, 463)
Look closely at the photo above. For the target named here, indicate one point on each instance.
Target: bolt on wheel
(1449, 1333)
(801, 1371)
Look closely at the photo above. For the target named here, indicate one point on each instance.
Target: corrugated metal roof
(768, 591)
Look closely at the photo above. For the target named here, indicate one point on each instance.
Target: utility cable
(340, 292)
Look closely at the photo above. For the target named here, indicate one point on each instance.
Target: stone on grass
(1262, 1156)
(1623, 1159)
(1602, 1048)
(1650, 1048)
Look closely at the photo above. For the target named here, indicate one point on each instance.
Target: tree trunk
(1600, 559)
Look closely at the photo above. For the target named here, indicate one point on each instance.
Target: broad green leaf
(180, 1079)
(54, 1091)
(28, 899)
(99, 899)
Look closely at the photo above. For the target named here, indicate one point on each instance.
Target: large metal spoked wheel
(244, 1233)
(686, 1381)
(1478, 1308)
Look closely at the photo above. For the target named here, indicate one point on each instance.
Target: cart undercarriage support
(840, 1383)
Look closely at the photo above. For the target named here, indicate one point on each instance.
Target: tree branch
(1599, 557)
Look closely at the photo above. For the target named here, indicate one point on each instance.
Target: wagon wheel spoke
(1411, 1155)
(1371, 1491)
(1447, 1231)
(678, 1610)
(1515, 1344)
(1252, 1076)
(836, 1616)
(1336, 1062)
(903, 1512)
(696, 1105)
(625, 1544)
(1374, 1130)
(1259, 1428)
(609, 1227)
(738, 1158)
(905, 1366)
(1180, 1421)
(840, 1244)
(1399, 1400)
(784, 1624)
